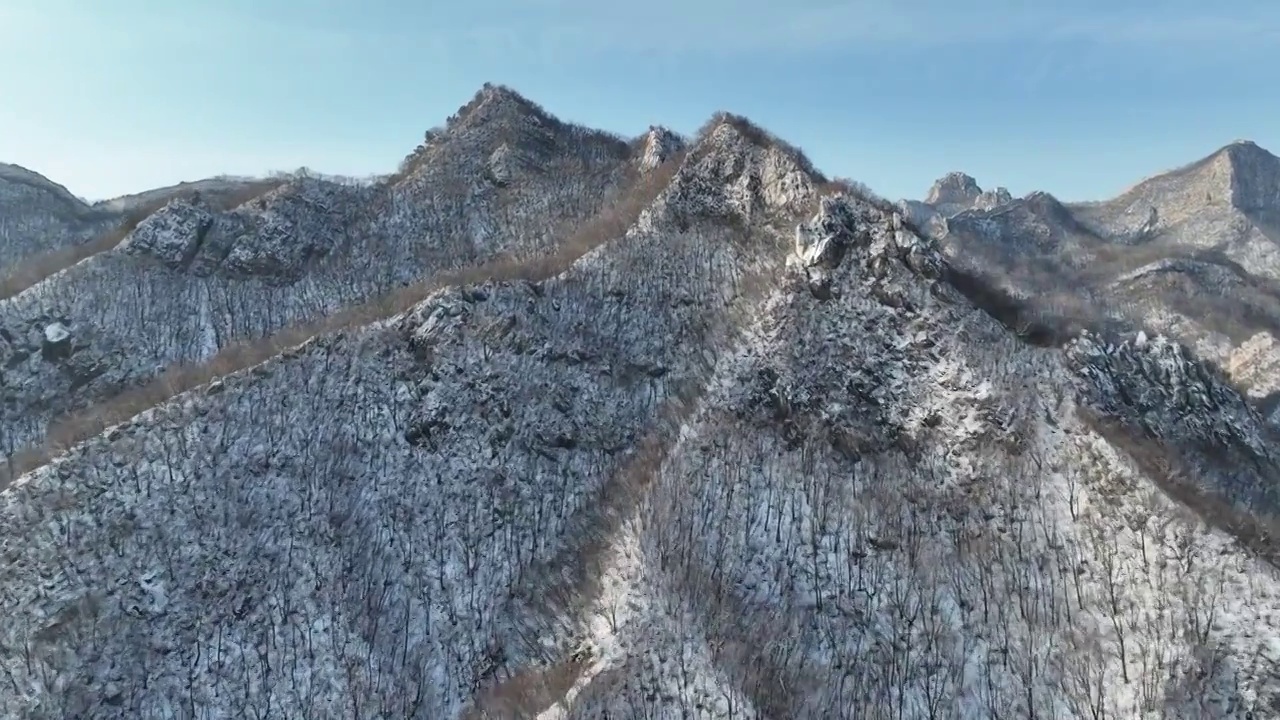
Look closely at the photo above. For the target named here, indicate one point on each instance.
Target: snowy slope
(38, 216)
(756, 456)
(482, 420)
(193, 280)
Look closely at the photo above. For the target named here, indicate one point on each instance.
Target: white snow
(56, 333)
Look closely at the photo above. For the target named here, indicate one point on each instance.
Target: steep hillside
(192, 280)
(39, 216)
(754, 452)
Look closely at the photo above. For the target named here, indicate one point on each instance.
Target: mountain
(723, 439)
(950, 195)
(1227, 201)
(195, 283)
(38, 215)
(1188, 253)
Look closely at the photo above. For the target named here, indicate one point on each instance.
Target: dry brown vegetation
(527, 693)
(608, 224)
(36, 269)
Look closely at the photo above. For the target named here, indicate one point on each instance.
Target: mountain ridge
(733, 440)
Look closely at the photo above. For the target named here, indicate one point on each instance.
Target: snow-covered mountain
(193, 281)
(1190, 253)
(664, 429)
(37, 215)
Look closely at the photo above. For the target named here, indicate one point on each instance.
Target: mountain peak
(657, 145)
(21, 175)
(1240, 175)
(500, 103)
(954, 188)
(1253, 174)
(726, 129)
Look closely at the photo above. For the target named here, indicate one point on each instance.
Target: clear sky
(1077, 97)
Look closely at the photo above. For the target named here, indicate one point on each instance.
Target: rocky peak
(847, 227)
(498, 104)
(1047, 206)
(991, 199)
(737, 169)
(1241, 175)
(954, 188)
(1254, 176)
(659, 144)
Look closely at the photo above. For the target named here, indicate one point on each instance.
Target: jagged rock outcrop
(823, 242)
(950, 195)
(954, 188)
(274, 237)
(660, 144)
(1159, 388)
(173, 234)
(732, 175)
(990, 199)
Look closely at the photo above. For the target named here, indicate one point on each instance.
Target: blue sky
(1077, 97)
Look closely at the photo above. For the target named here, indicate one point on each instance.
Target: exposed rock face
(954, 188)
(1226, 201)
(991, 199)
(503, 165)
(952, 194)
(173, 235)
(1255, 177)
(274, 238)
(877, 237)
(659, 145)
(1255, 364)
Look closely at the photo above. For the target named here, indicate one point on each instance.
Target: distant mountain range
(556, 424)
(1192, 252)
